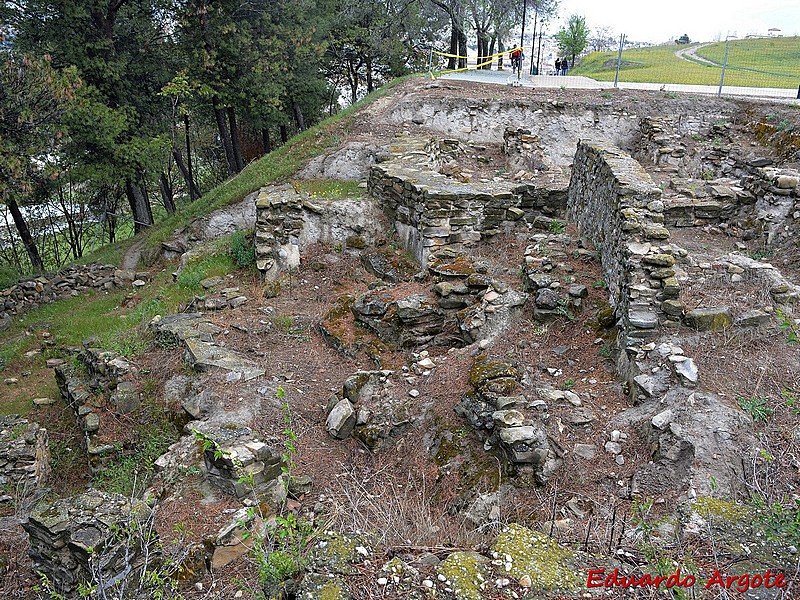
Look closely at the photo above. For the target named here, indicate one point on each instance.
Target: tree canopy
(573, 39)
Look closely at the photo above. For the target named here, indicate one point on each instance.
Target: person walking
(564, 66)
(558, 66)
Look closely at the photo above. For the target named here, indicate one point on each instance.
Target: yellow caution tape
(477, 66)
(490, 56)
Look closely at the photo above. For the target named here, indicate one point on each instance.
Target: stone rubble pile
(509, 420)
(543, 275)
(371, 408)
(242, 465)
(463, 307)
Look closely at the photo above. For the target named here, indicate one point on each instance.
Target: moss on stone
(717, 509)
(356, 241)
(337, 553)
(539, 557)
(316, 586)
(459, 266)
(484, 370)
(465, 574)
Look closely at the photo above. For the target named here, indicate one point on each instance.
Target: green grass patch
(8, 276)
(217, 264)
(768, 62)
(243, 250)
(328, 188)
(14, 345)
(101, 314)
(153, 434)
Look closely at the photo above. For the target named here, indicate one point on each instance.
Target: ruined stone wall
(431, 211)
(24, 455)
(70, 281)
(747, 193)
(776, 211)
(288, 220)
(78, 539)
(615, 203)
(96, 390)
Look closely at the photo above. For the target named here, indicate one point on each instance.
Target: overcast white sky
(702, 20)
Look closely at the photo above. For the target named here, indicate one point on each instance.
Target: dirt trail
(132, 255)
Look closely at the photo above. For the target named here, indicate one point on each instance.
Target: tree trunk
(74, 230)
(236, 142)
(284, 136)
(483, 48)
(368, 66)
(25, 234)
(462, 48)
(186, 173)
(501, 49)
(492, 45)
(140, 207)
(194, 191)
(451, 61)
(265, 141)
(352, 76)
(298, 116)
(166, 193)
(224, 136)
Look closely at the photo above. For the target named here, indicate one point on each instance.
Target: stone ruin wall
(615, 203)
(97, 388)
(288, 220)
(750, 194)
(67, 282)
(78, 539)
(431, 211)
(24, 456)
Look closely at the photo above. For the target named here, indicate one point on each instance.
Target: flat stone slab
(643, 319)
(709, 319)
(205, 355)
(185, 326)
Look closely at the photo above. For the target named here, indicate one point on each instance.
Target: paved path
(690, 55)
(577, 82)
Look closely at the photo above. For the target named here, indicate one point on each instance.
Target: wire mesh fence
(735, 66)
(752, 62)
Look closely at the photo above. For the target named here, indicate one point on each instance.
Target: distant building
(774, 32)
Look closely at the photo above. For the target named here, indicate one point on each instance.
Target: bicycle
(516, 66)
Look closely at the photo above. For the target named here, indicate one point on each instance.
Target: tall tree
(33, 98)
(542, 11)
(456, 10)
(372, 41)
(123, 52)
(573, 38)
